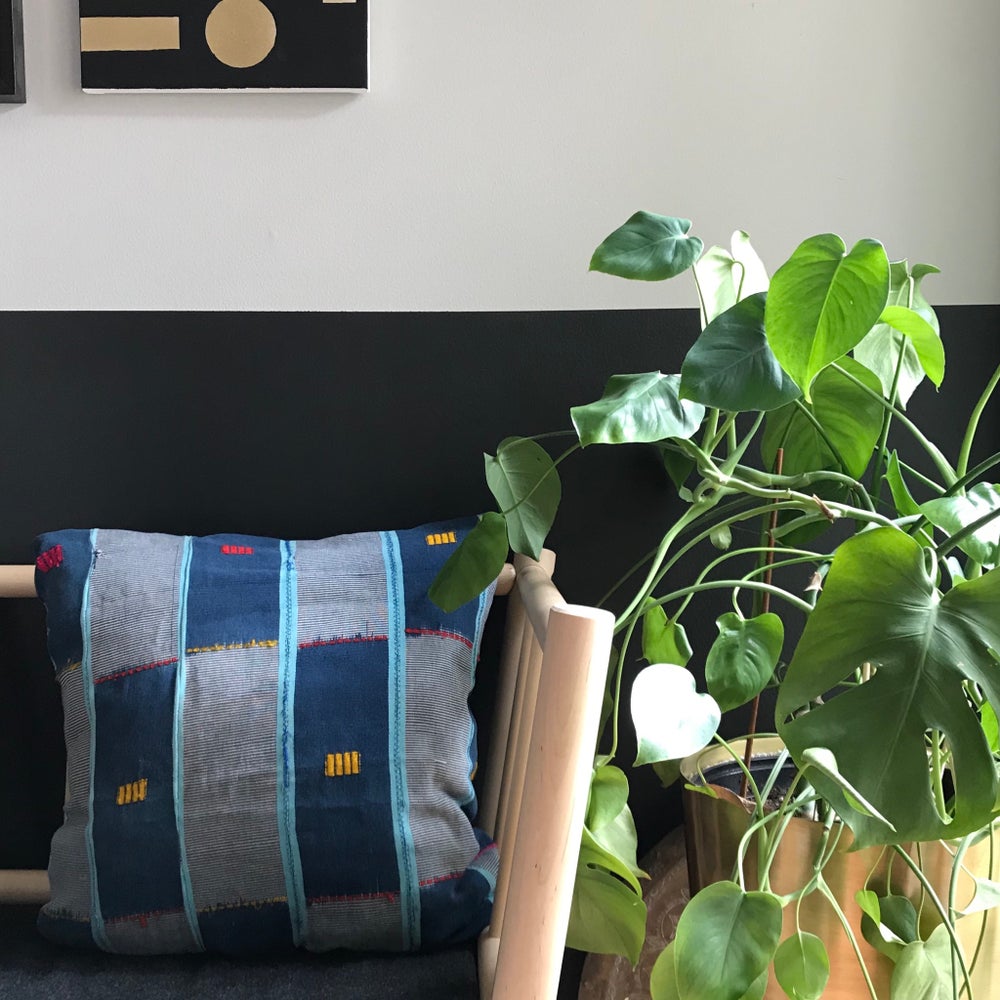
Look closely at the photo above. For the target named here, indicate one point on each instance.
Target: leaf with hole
(925, 647)
(725, 941)
(743, 657)
(821, 303)
(473, 566)
(636, 409)
(671, 719)
(524, 480)
(648, 247)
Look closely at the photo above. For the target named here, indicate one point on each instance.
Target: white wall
(500, 143)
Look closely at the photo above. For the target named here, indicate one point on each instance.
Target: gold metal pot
(713, 831)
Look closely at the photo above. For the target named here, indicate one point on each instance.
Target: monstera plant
(882, 659)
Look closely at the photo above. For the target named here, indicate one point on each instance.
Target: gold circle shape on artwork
(240, 33)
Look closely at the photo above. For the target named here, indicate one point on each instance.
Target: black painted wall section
(305, 425)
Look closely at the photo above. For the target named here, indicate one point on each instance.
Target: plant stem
(935, 453)
(942, 912)
(970, 431)
(841, 916)
(765, 606)
(881, 447)
(796, 602)
(969, 529)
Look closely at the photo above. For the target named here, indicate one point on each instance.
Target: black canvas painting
(11, 53)
(248, 45)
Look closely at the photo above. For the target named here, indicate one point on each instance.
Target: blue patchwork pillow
(269, 743)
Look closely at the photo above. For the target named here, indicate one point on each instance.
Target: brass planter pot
(713, 831)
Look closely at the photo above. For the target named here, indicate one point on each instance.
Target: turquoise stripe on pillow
(409, 885)
(180, 684)
(287, 654)
(96, 916)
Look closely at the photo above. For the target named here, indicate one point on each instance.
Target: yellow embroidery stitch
(133, 791)
(221, 646)
(340, 764)
(439, 539)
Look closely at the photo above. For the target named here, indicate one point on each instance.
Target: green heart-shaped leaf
(671, 719)
(880, 606)
(524, 480)
(606, 917)
(724, 278)
(663, 639)
(473, 566)
(924, 969)
(732, 367)
(663, 977)
(926, 342)
(725, 940)
(951, 514)
(743, 657)
(822, 302)
(638, 408)
(879, 351)
(850, 420)
(648, 248)
(802, 966)
(608, 795)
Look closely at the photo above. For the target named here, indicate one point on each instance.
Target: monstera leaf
(880, 606)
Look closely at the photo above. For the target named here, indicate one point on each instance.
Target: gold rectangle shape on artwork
(129, 34)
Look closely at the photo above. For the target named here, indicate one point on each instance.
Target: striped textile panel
(269, 743)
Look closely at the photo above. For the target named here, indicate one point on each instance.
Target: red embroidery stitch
(237, 550)
(441, 634)
(50, 558)
(133, 670)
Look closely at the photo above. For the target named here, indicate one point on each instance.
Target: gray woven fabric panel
(437, 734)
(68, 858)
(332, 605)
(130, 936)
(355, 923)
(230, 820)
(148, 564)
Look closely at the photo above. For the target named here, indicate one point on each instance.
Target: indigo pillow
(269, 743)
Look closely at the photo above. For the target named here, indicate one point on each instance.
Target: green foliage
(888, 703)
(474, 565)
(802, 966)
(636, 409)
(731, 365)
(822, 303)
(881, 347)
(725, 941)
(743, 657)
(524, 481)
(925, 647)
(671, 718)
(648, 248)
(663, 640)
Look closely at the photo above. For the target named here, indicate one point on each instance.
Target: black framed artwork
(228, 45)
(11, 53)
